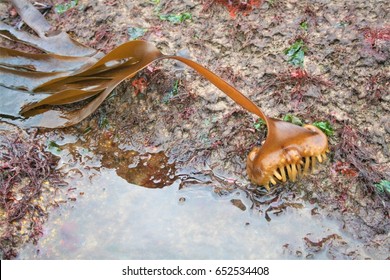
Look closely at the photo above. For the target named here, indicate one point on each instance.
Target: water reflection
(150, 170)
(118, 220)
(114, 219)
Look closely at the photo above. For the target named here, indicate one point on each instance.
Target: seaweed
(26, 170)
(325, 126)
(355, 160)
(178, 18)
(296, 53)
(63, 7)
(298, 80)
(236, 6)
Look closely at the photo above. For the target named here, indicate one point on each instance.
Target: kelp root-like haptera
(41, 84)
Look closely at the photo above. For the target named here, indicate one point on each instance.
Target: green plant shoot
(296, 53)
(383, 186)
(179, 18)
(304, 25)
(259, 124)
(325, 127)
(53, 147)
(136, 32)
(62, 8)
(292, 119)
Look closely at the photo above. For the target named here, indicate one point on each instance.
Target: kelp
(43, 83)
(48, 40)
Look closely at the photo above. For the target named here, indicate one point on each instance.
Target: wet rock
(238, 203)
(313, 91)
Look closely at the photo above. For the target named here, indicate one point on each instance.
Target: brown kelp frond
(229, 90)
(102, 77)
(41, 62)
(48, 41)
(126, 59)
(289, 152)
(26, 80)
(99, 79)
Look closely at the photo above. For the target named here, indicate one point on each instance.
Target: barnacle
(40, 84)
(289, 152)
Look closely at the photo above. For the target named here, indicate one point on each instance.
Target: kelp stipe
(288, 152)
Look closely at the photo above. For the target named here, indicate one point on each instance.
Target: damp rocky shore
(181, 127)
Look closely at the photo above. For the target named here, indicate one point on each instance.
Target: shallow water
(106, 217)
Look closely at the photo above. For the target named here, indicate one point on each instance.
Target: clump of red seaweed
(377, 87)
(236, 6)
(139, 85)
(298, 80)
(374, 36)
(103, 39)
(25, 168)
(354, 160)
(377, 40)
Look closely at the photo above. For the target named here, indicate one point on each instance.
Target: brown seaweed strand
(229, 90)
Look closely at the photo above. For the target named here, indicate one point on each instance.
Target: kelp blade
(104, 78)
